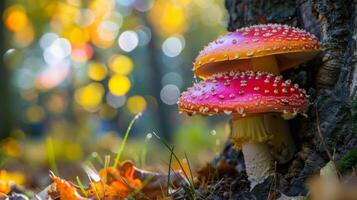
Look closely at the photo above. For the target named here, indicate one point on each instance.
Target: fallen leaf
(116, 184)
(67, 191)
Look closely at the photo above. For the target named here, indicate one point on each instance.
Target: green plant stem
(79, 182)
(51, 155)
(117, 158)
(166, 144)
(169, 172)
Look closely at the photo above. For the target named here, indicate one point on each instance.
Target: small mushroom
(268, 47)
(252, 102)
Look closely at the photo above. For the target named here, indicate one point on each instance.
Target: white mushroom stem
(263, 139)
(259, 164)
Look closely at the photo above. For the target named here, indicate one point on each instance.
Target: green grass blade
(94, 156)
(51, 155)
(189, 167)
(145, 149)
(122, 145)
(169, 172)
(79, 182)
(176, 158)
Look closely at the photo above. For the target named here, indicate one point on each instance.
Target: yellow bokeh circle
(121, 64)
(97, 71)
(136, 104)
(119, 85)
(90, 96)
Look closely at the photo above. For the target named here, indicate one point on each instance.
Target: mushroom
(271, 48)
(268, 47)
(250, 97)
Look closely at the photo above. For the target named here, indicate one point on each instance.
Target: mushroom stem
(259, 164)
(251, 134)
(282, 145)
(263, 138)
(266, 64)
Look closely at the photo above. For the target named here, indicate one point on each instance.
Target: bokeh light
(168, 18)
(136, 104)
(35, 114)
(128, 41)
(59, 49)
(121, 64)
(126, 3)
(15, 18)
(144, 34)
(115, 101)
(56, 103)
(97, 71)
(78, 36)
(215, 17)
(90, 96)
(81, 52)
(108, 30)
(119, 85)
(24, 78)
(52, 76)
(173, 46)
(172, 78)
(11, 147)
(169, 94)
(84, 17)
(143, 5)
(47, 39)
(24, 37)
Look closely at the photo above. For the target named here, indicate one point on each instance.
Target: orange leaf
(66, 190)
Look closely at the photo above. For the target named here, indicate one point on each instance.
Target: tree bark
(5, 113)
(330, 79)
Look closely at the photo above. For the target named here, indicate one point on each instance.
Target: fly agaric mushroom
(268, 47)
(250, 97)
(271, 48)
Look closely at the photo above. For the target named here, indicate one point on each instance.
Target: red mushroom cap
(291, 46)
(245, 93)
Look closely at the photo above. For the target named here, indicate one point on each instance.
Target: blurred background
(75, 72)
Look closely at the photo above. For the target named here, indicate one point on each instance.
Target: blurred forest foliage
(75, 72)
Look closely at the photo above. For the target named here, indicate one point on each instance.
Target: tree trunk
(5, 113)
(330, 79)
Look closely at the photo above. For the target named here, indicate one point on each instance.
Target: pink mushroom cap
(245, 93)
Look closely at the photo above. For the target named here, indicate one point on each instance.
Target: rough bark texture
(330, 79)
